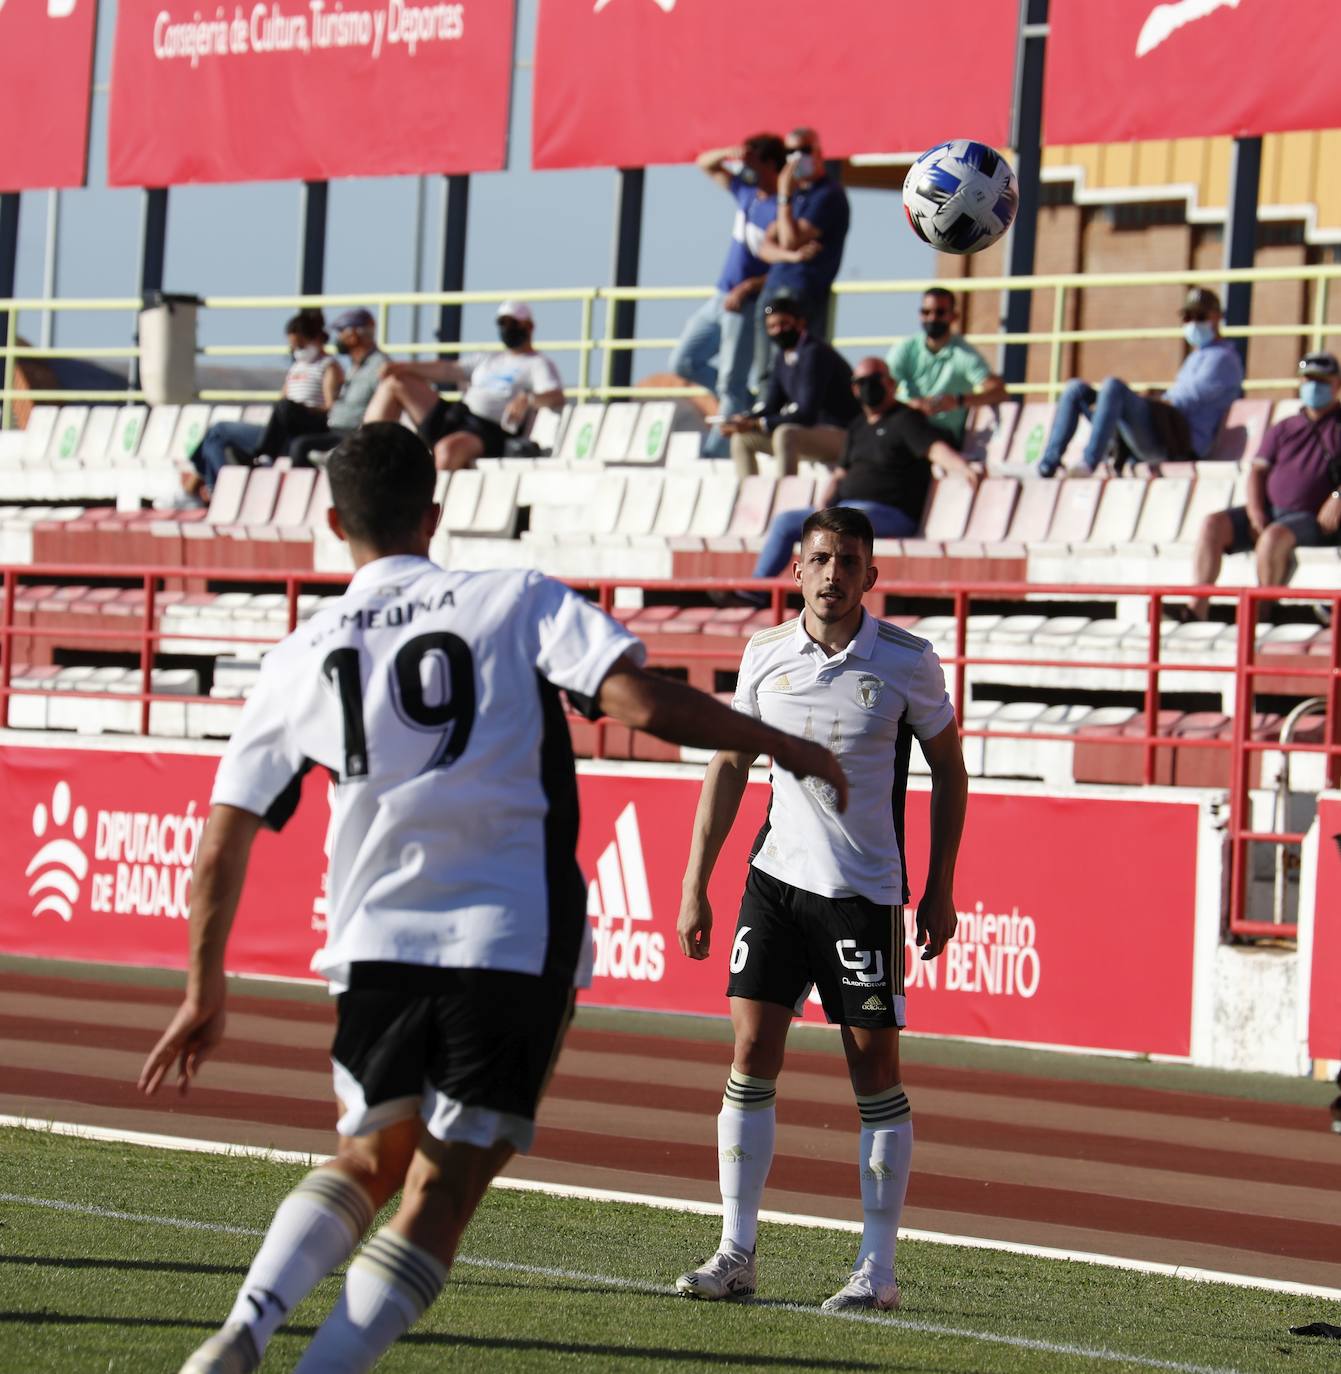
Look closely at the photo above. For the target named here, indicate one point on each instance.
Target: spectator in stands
(939, 373)
(804, 248)
(809, 403)
(500, 390)
(716, 348)
(310, 386)
(885, 470)
(1182, 424)
(1294, 489)
(356, 339)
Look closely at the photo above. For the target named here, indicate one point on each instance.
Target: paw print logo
(60, 864)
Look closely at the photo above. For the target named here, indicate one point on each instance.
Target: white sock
(885, 1159)
(390, 1285)
(316, 1227)
(746, 1127)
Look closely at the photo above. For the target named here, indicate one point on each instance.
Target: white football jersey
(864, 704)
(432, 697)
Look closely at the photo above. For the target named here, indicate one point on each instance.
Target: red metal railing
(1247, 671)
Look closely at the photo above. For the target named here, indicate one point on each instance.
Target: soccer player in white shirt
(457, 925)
(824, 898)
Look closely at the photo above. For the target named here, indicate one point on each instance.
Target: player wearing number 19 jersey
(457, 922)
(823, 903)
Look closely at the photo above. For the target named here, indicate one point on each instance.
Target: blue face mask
(1199, 333)
(1315, 395)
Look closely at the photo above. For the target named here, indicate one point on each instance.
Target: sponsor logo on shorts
(867, 964)
(869, 688)
(872, 1004)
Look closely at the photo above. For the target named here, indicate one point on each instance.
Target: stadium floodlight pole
(1026, 138)
(153, 255)
(312, 238)
(628, 251)
(1245, 182)
(455, 221)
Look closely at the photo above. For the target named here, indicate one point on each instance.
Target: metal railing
(1248, 672)
(594, 345)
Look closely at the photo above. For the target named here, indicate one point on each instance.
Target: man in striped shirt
(823, 904)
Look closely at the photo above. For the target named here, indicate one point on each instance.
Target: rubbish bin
(168, 348)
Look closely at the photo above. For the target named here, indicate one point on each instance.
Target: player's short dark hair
(941, 294)
(382, 479)
(768, 148)
(844, 520)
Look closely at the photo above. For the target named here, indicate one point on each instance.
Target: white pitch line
(1188, 1273)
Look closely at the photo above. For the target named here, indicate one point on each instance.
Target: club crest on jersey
(869, 688)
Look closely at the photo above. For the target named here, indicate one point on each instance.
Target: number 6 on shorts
(740, 951)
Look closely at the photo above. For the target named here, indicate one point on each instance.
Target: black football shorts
(470, 1050)
(850, 949)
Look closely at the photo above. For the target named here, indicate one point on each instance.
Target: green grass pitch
(547, 1283)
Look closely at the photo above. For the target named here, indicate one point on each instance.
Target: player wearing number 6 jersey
(457, 925)
(823, 903)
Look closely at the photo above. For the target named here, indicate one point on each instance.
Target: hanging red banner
(290, 90)
(1133, 69)
(627, 83)
(46, 76)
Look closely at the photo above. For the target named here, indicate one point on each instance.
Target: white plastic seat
(159, 428)
(621, 418)
(1118, 514)
(38, 431)
(462, 500)
(545, 427)
(191, 426)
(63, 447)
(716, 501)
(679, 497)
(1165, 507)
(95, 442)
(579, 439)
(496, 511)
(127, 435)
(1209, 494)
(684, 448)
(652, 435)
(643, 497)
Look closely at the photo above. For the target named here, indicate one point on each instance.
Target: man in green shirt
(939, 373)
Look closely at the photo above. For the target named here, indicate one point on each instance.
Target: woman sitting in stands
(312, 382)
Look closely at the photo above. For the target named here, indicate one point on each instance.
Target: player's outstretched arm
(719, 801)
(683, 715)
(936, 916)
(216, 887)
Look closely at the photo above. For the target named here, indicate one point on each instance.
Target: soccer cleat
(861, 1294)
(728, 1274)
(230, 1351)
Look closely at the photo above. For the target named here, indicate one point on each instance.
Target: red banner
(626, 83)
(1045, 955)
(1136, 69)
(1324, 974)
(308, 89)
(46, 78)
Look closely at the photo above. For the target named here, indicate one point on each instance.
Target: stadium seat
(462, 500)
(642, 502)
(616, 434)
(190, 430)
(1077, 506)
(1210, 493)
(1241, 434)
(1118, 514)
(258, 501)
(989, 432)
(684, 448)
(579, 439)
(652, 434)
(496, 510)
(156, 438)
(1034, 511)
(679, 500)
(545, 428)
(229, 492)
(993, 507)
(715, 505)
(38, 432)
(127, 435)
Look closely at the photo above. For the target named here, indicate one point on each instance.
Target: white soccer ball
(961, 196)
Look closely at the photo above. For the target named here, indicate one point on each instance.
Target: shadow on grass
(501, 1344)
(149, 1266)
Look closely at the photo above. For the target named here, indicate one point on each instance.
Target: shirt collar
(861, 645)
(387, 569)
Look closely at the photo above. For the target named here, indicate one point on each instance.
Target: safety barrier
(1249, 674)
(595, 344)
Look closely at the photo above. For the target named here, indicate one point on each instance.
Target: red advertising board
(308, 89)
(627, 83)
(46, 78)
(1050, 950)
(1135, 69)
(1324, 996)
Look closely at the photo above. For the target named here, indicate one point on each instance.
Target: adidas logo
(618, 896)
(872, 1003)
(734, 1155)
(876, 1170)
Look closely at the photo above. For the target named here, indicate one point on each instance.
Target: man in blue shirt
(717, 346)
(804, 249)
(1183, 424)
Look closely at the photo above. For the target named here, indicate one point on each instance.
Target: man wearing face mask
(809, 402)
(1294, 489)
(499, 390)
(1181, 424)
(716, 348)
(939, 373)
(804, 248)
(355, 334)
(885, 470)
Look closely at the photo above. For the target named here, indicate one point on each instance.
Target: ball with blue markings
(960, 196)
